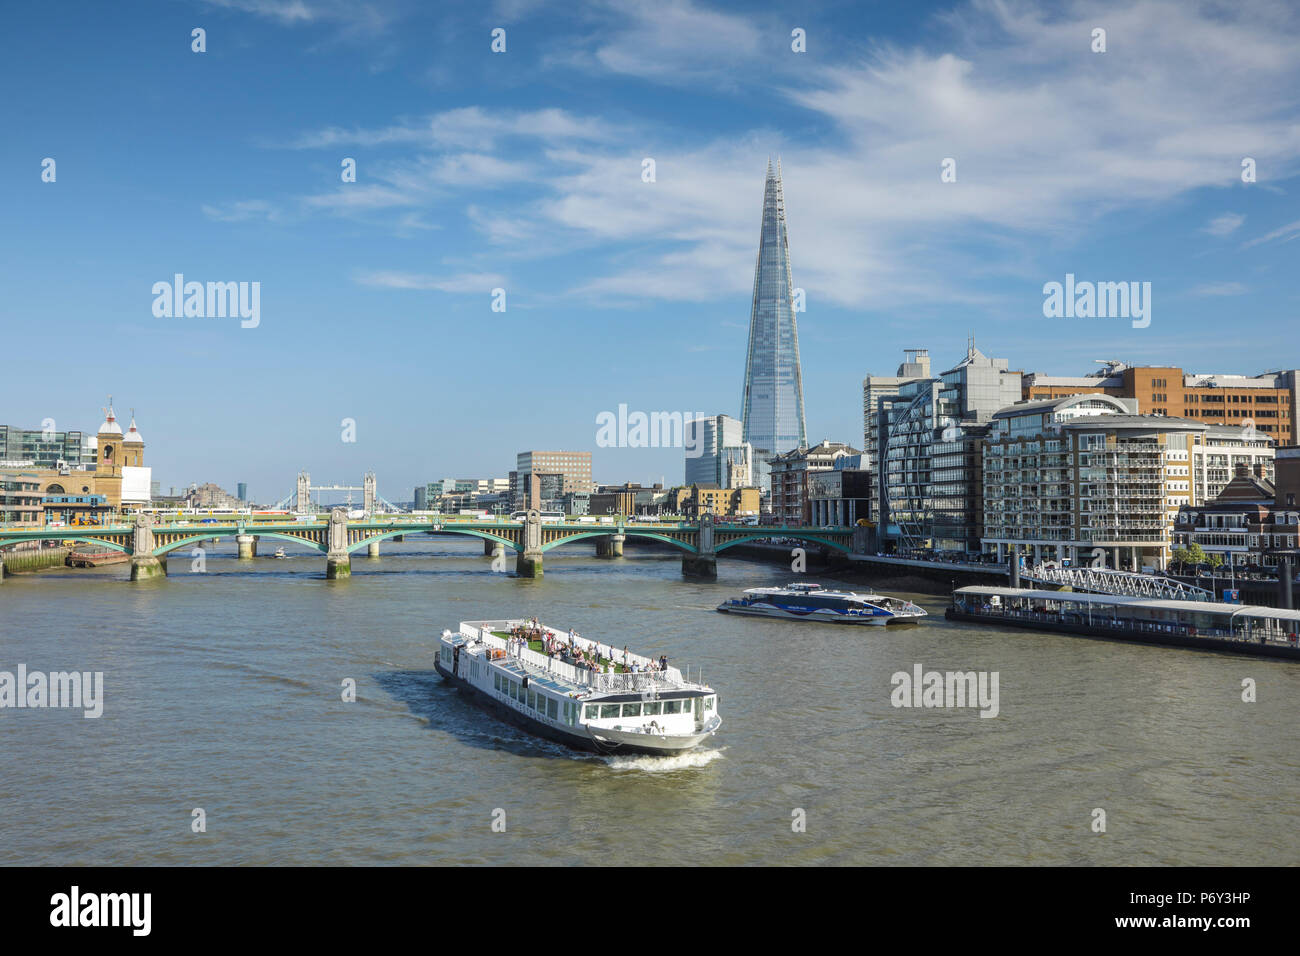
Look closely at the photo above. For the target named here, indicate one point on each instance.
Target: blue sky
(522, 170)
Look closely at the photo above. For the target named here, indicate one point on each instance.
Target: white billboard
(136, 484)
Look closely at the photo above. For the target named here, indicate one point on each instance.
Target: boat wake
(648, 764)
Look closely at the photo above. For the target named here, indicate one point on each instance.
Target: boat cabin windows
(591, 712)
(631, 710)
(672, 707)
(609, 710)
(552, 708)
(652, 709)
(708, 705)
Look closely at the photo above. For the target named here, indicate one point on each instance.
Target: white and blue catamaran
(812, 602)
(576, 691)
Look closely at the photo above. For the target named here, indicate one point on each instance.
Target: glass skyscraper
(773, 403)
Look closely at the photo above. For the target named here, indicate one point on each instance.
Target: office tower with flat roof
(573, 469)
(772, 406)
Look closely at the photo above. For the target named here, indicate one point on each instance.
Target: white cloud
(1286, 233)
(479, 283)
(1224, 225)
(1219, 288)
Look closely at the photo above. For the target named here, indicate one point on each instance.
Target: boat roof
(1116, 600)
(541, 670)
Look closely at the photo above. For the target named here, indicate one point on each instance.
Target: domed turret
(133, 436)
(110, 425)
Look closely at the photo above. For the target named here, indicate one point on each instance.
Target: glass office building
(772, 406)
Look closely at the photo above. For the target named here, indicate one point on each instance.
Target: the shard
(773, 402)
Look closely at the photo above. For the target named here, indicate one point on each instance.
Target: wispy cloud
(477, 283)
(1284, 233)
(1218, 288)
(1224, 225)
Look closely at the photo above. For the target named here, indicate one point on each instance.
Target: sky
(524, 171)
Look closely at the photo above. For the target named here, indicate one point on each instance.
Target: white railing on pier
(1121, 583)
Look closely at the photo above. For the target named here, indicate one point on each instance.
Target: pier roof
(1113, 600)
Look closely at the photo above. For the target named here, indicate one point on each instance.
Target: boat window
(532, 699)
(631, 710)
(592, 712)
(514, 689)
(609, 710)
(708, 704)
(672, 707)
(552, 708)
(496, 681)
(652, 709)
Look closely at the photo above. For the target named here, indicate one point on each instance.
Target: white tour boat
(625, 703)
(812, 602)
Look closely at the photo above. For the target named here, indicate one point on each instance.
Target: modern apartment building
(1087, 480)
(1264, 403)
(47, 450)
(928, 441)
(915, 366)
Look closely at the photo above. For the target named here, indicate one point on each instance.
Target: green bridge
(338, 538)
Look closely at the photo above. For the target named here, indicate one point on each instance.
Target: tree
(1195, 554)
(1182, 557)
(1214, 561)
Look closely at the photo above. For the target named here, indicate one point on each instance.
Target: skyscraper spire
(772, 405)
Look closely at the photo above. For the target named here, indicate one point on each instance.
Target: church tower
(108, 456)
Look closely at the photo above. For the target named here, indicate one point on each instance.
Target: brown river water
(223, 691)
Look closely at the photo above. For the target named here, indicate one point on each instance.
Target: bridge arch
(111, 545)
(785, 533)
(177, 545)
(627, 532)
(464, 532)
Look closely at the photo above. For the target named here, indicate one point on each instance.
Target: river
(223, 691)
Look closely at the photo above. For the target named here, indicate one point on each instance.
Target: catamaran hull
(607, 742)
(828, 617)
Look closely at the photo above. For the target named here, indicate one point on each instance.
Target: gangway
(1124, 583)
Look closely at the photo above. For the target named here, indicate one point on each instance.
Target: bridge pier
(372, 549)
(703, 565)
(399, 537)
(247, 546)
(338, 563)
(2, 567)
(610, 546)
(490, 547)
(700, 567)
(145, 567)
(529, 564)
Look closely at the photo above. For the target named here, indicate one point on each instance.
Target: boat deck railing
(580, 677)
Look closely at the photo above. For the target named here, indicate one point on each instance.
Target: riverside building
(1086, 479)
(1264, 403)
(928, 439)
